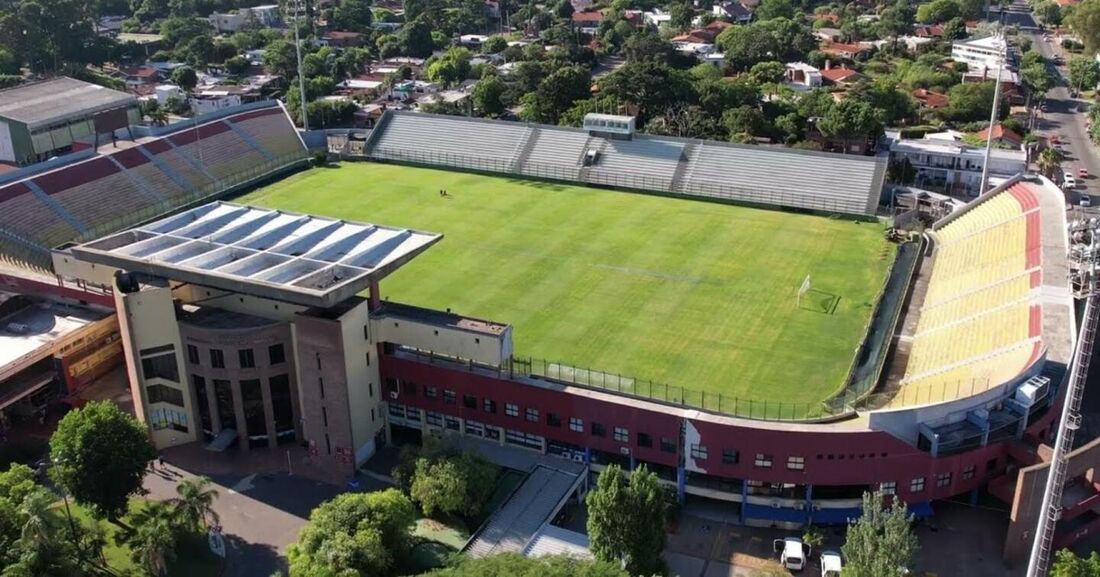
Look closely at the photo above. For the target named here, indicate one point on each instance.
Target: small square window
(730, 457)
(511, 410)
(943, 480)
(698, 452)
(622, 435)
(598, 430)
(576, 424)
(668, 445)
(217, 359)
(532, 415)
(762, 461)
(796, 463)
(888, 488)
(246, 358)
(448, 396)
(489, 406)
(430, 392)
(409, 388)
(192, 354)
(968, 472)
(553, 420)
(469, 401)
(644, 440)
(916, 485)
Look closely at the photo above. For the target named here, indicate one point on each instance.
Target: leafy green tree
(101, 455)
(1085, 23)
(972, 102)
(236, 65)
(1050, 161)
(185, 77)
(516, 565)
(1037, 79)
(746, 45)
(353, 15)
(152, 537)
(556, 93)
(1084, 73)
(1066, 564)
(452, 483)
(769, 9)
(177, 32)
(354, 534)
(848, 120)
(416, 39)
(575, 115)
(653, 86)
(494, 45)
(194, 504)
(1049, 13)
(881, 543)
(626, 519)
(488, 95)
(680, 14)
(745, 120)
(937, 11)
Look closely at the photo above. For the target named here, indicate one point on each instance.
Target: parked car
(1068, 182)
(831, 564)
(1084, 200)
(1082, 172)
(793, 553)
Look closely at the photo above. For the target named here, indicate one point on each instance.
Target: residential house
(928, 31)
(802, 76)
(472, 40)
(588, 22)
(165, 91)
(266, 15)
(1011, 89)
(930, 100)
(839, 76)
(341, 39)
(844, 50)
(582, 5)
(733, 11)
(954, 167)
(864, 144)
(828, 34)
(657, 18)
(1003, 136)
(135, 76)
(911, 43)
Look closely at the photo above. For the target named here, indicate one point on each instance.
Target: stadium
(742, 320)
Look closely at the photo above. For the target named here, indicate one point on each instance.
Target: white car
(1084, 200)
(1068, 181)
(793, 553)
(831, 564)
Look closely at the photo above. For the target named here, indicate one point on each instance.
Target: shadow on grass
(819, 301)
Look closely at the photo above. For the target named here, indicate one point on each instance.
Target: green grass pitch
(689, 293)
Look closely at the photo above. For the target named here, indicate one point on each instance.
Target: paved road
(1063, 117)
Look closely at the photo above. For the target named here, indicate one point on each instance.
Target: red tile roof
(930, 99)
(591, 16)
(1002, 133)
(838, 75)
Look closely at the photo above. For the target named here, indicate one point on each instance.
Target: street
(1063, 116)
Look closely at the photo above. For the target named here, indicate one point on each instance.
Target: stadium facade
(246, 326)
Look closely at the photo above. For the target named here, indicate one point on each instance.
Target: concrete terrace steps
(513, 526)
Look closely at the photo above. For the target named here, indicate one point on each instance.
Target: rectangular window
(489, 406)
(217, 358)
(796, 463)
(321, 386)
(469, 401)
(511, 410)
(451, 423)
(276, 355)
(622, 435)
(247, 359)
(492, 433)
(412, 414)
(553, 420)
(448, 396)
(163, 394)
(168, 419)
(328, 444)
(161, 367)
(968, 472)
(433, 418)
(698, 452)
(763, 461)
(397, 411)
(532, 415)
(668, 445)
(475, 429)
(193, 354)
(943, 480)
(888, 488)
(523, 439)
(644, 440)
(409, 388)
(430, 392)
(916, 485)
(730, 456)
(370, 390)
(598, 430)
(576, 424)
(368, 358)
(155, 350)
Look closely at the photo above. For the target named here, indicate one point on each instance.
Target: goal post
(805, 288)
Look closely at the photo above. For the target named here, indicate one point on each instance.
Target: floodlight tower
(1000, 63)
(299, 8)
(1084, 257)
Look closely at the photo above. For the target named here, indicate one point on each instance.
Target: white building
(166, 91)
(980, 53)
(955, 167)
(266, 15)
(802, 76)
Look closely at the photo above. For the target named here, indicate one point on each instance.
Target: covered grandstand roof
(51, 101)
(301, 259)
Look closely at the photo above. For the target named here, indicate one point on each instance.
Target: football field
(689, 293)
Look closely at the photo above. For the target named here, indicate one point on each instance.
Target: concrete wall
(364, 385)
(323, 393)
(481, 347)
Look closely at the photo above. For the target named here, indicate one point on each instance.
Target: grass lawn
(193, 557)
(689, 293)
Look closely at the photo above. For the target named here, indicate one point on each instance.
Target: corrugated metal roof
(55, 100)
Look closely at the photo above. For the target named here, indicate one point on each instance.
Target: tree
(354, 534)
(152, 537)
(881, 543)
(416, 39)
(1084, 73)
(487, 95)
(972, 102)
(495, 44)
(1050, 161)
(280, 58)
(849, 120)
(1049, 13)
(353, 15)
(575, 115)
(767, 72)
(653, 86)
(101, 455)
(447, 481)
(516, 565)
(747, 45)
(556, 93)
(1085, 23)
(626, 520)
(185, 77)
(937, 11)
(1037, 79)
(769, 9)
(194, 505)
(1066, 564)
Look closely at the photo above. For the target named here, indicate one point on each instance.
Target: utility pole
(984, 184)
(299, 9)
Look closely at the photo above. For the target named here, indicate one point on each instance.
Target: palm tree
(1050, 160)
(195, 504)
(38, 525)
(152, 537)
